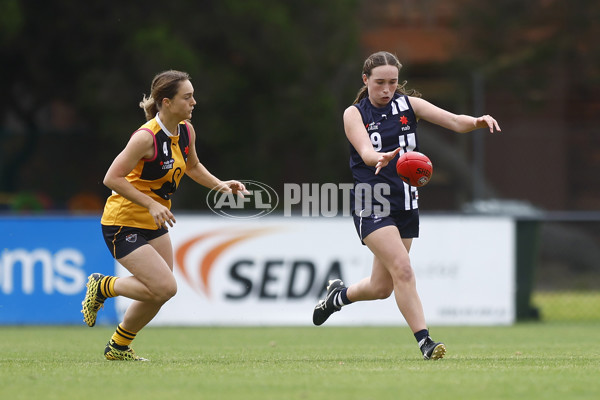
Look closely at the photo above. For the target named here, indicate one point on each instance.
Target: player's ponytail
(149, 106)
(408, 92)
(164, 86)
(362, 93)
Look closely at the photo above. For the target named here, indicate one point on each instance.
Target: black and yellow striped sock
(107, 286)
(123, 337)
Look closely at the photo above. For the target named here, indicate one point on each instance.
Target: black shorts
(122, 240)
(407, 223)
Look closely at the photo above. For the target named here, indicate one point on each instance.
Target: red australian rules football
(414, 168)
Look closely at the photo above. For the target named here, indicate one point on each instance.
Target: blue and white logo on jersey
(373, 126)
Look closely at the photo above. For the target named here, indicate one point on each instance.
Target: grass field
(532, 361)
(568, 305)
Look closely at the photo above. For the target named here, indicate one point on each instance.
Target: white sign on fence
(273, 270)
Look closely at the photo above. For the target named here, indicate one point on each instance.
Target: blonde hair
(376, 60)
(164, 86)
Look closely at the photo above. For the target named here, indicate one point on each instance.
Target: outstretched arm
(457, 123)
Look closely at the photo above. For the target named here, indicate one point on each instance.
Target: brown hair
(376, 60)
(164, 86)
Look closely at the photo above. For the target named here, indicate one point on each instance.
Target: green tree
(271, 80)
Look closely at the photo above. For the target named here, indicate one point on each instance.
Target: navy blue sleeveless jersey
(389, 127)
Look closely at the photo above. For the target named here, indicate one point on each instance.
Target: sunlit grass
(533, 360)
(568, 306)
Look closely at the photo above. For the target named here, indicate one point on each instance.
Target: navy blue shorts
(407, 223)
(122, 240)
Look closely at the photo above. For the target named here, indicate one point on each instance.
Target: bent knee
(170, 292)
(165, 291)
(403, 273)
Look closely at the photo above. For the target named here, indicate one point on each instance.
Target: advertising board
(44, 264)
(273, 271)
(266, 271)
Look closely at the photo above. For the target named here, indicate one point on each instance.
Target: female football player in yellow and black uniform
(136, 217)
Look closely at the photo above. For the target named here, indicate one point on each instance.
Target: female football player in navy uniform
(136, 217)
(380, 124)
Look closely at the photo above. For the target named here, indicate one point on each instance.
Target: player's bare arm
(457, 123)
(359, 138)
(140, 146)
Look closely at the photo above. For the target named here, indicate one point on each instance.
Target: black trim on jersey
(158, 167)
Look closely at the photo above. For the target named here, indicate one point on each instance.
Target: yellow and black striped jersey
(158, 177)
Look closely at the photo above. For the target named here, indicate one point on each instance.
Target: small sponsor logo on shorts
(131, 238)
